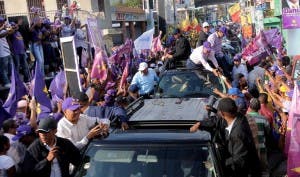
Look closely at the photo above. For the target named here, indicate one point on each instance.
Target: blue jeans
(5, 63)
(37, 50)
(21, 61)
(191, 65)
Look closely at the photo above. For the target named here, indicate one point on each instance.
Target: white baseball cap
(205, 24)
(143, 66)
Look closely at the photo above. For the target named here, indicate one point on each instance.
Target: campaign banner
(256, 50)
(95, 34)
(290, 18)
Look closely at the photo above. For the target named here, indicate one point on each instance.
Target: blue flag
(16, 92)
(40, 91)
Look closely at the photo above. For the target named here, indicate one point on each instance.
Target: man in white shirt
(78, 128)
(200, 58)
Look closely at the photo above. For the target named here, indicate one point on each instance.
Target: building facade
(119, 19)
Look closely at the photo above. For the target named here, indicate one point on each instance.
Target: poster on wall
(290, 14)
(290, 18)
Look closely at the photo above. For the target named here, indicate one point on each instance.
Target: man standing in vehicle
(182, 49)
(143, 82)
(203, 35)
(215, 40)
(202, 57)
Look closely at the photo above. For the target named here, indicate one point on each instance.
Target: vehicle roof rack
(134, 106)
(162, 124)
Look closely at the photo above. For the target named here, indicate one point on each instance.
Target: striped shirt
(259, 131)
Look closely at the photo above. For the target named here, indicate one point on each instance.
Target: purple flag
(293, 130)
(58, 84)
(274, 37)
(16, 92)
(99, 69)
(40, 91)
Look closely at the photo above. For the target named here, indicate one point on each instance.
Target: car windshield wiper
(170, 96)
(196, 95)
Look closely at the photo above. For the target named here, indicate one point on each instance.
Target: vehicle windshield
(188, 85)
(175, 161)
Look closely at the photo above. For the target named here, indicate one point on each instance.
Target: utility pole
(174, 8)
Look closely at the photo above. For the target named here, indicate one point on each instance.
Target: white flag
(144, 41)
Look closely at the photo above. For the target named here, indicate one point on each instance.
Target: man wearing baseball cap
(182, 49)
(238, 67)
(22, 140)
(49, 155)
(201, 57)
(143, 82)
(78, 127)
(216, 43)
(204, 33)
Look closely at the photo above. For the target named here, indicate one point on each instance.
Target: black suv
(152, 148)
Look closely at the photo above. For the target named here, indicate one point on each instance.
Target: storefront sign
(262, 6)
(128, 17)
(290, 18)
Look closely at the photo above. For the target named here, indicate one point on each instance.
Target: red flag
(236, 17)
(99, 69)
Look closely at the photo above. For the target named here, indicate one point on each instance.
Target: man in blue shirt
(143, 82)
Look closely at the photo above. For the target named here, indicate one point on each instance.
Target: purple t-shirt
(18, 43)
(37, 35)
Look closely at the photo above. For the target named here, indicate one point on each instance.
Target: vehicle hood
(172, 108)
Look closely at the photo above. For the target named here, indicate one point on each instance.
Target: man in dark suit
(203, 35)
(291, 4)
(182, 49)
(49, 155)
(239, 156)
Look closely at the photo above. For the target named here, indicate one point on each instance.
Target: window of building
(2, 9)
(38, 4)
(101, 6)
(60, 3)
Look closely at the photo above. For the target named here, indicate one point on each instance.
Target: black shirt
(182, 49)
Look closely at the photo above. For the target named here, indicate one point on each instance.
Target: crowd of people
(249, 123)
